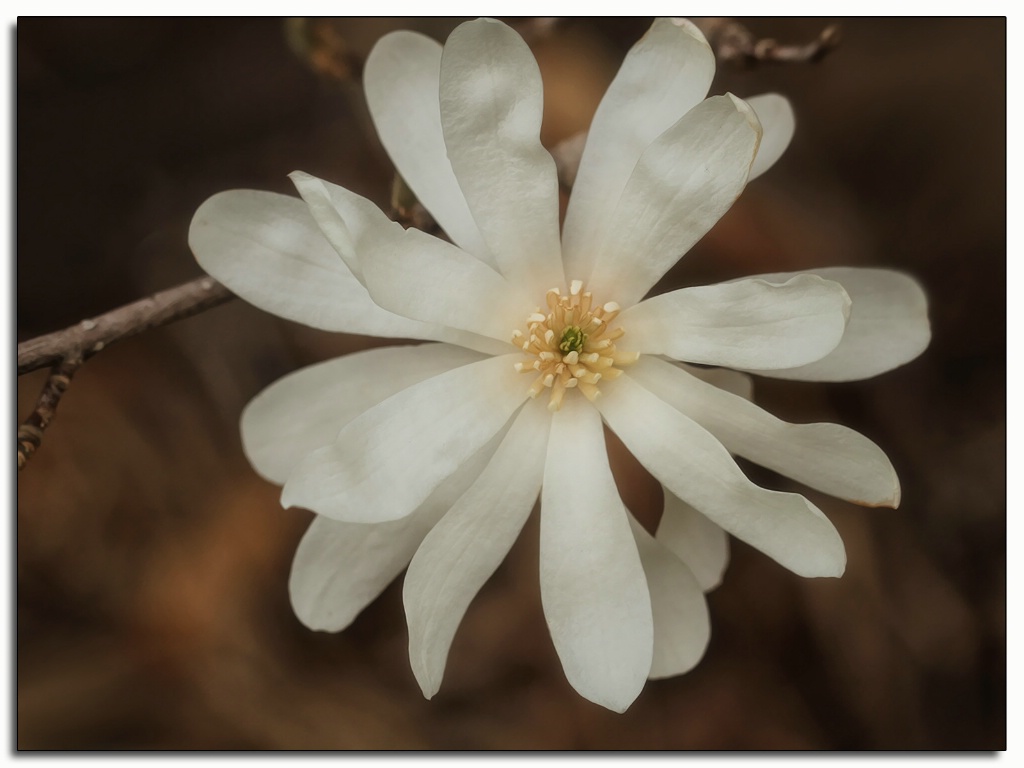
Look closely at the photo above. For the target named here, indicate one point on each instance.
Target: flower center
(573, 339)
(572, 346)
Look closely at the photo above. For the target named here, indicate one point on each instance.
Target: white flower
(437, 453)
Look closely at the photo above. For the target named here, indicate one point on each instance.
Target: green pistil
(573, 339)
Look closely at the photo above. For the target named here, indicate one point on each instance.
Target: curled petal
(746, 324)
(306, 409)
(340, 568)
(681, 186)
(268, 249)
(402, 81)
(414, 274)
(592, 583)
(666, 73)
(888, 326)
(317, 195)
(695, 466)
(469, 543)
(386, 461)
(491, 108)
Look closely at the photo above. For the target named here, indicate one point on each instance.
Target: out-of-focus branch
(536, 28)
(734, 43)
(321, 45)
(66, 350)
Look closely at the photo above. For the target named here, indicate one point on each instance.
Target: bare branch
(88, 337)
(66, 350)
(734, 43)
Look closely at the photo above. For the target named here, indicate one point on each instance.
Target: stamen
(571, 347)
(589, 391)
(557, 393)
(585, 302)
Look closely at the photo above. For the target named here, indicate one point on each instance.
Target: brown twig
(30, 433)
(66, 350)
(734, 43)
(90, 336)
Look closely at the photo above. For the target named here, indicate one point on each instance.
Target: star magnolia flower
(438, 452)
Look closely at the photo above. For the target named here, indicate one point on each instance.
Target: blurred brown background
(152, 562)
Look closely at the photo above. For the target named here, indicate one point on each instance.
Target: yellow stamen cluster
(572, 346)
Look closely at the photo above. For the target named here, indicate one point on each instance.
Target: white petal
(306, 409)
(491, 108)
(778, 124)
(694, 539)
(401, 77)
(388, 460)
(827, 457)
(665, 74)
(268, 249)
(592, 583)
(746, 324)
(414, 274)
(682, 185)
(469, 543)
(682, 627)
(888, 325)
(419, 276)
(694, 466)
(339, 568)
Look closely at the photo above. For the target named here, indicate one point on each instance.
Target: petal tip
(748, 112)
(428, 681)
(288, 499)
(686, 26)
(897, 495)
(429, 688)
